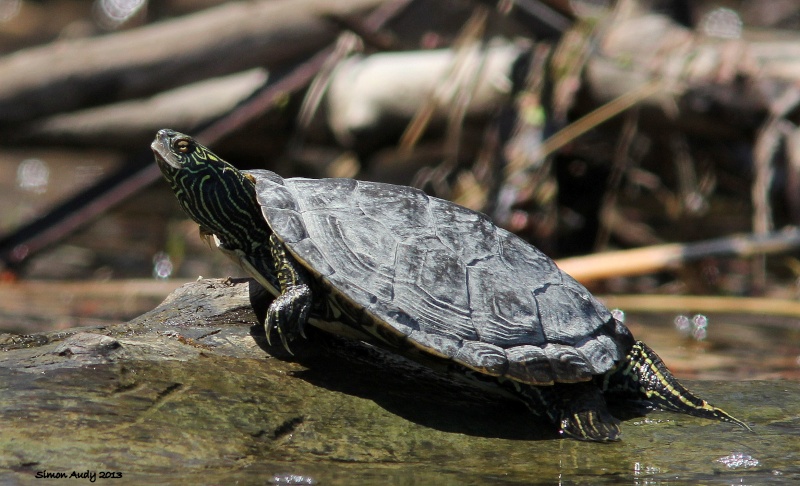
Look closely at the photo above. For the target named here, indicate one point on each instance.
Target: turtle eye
(183, 146)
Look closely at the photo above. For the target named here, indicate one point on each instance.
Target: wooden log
(131, 124)
(711, 86)
(191, 393)
(651, 259)
(71, 74)
(382, 92)
(29, 306)
(707, 304)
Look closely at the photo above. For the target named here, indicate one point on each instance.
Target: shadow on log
(191, 391)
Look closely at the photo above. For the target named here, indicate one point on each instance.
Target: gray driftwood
(132, 123)
(232, 37)
(190, 392)
(385, 91)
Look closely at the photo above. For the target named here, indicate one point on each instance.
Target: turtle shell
(443, 277)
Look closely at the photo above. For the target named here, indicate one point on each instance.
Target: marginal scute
(601, 353)
(286, 223)
(271, 191)
(262, 175)
(352, 292)
(445, 345)
(567, 363)
(400, 321)
(622, 336)
(567, 315)
(484, 357)
(308, 253)
(530, 364)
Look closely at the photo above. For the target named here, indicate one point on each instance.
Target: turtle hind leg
(578, 409)
(644, 375)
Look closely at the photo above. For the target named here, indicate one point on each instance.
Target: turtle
(425, 278)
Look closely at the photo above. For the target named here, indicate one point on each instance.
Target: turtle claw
(288, 315)
(285, 342)
(302, 330)
(590, 425)
(578, 409)
(583, 413)
(274, 323)
(269, 326)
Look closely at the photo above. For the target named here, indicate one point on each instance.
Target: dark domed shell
(445, 277)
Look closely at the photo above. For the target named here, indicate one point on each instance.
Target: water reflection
(639, 469)
(699, 327)
(722, 23)
(162, 265)
(9, 9)
(33, 175)
(111, 14)
(695, 328)
(739, 460)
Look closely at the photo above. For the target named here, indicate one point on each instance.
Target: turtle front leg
(288, 313)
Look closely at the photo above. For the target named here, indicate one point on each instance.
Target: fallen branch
(703, 78)
(235, 36)
(383, 91)
(657, 258)
(132, 123)
(705, 304)
(28, 306)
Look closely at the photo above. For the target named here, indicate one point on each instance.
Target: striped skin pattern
(645, 374)
(426, 278)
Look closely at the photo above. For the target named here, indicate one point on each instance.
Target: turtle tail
(645, 374)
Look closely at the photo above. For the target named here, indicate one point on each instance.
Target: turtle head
(218, 196)
(175, 151)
